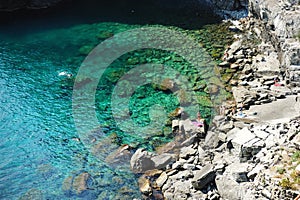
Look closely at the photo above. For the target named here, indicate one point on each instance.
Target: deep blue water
(38, 147)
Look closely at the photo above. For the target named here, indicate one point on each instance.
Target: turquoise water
(39, 149)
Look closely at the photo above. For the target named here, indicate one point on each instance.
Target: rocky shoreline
(252, 149)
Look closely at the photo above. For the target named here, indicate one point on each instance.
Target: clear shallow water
(38, 149)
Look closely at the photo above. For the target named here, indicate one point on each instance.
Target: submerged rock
(77, 184)
(32, 194)
(121, 156)
(145, 185)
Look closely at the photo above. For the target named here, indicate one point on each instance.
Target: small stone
(222, 137)
(297, 169)
(161, 179)
(153, 172)
(266, 193)
(177, 165)
(175, 125)
(234, 66)
(188, 166)
(211, 139)
(228, 188)
(144, 185)
(224, 64)
(239, 171)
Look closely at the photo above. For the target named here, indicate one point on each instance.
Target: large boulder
(229, 189)
(203, 177)
(142, 160)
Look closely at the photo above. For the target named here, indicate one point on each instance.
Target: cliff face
(233, 9)
(11, 5)
(230, 4)
(281, 21)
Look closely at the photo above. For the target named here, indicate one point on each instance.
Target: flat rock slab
(280, 111)
(270, 65)
(242, 137)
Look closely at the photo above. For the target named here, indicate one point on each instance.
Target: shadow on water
(189, 14)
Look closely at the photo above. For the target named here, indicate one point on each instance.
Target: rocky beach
(251, 150)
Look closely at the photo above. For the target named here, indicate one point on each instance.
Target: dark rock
(31, 4)
(203, 177)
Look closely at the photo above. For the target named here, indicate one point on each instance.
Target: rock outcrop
(281, 27)
(230, 9)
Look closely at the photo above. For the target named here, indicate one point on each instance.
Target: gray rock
(230, 134)
(187, 128)
(222, 137)
(251, 148)
(271, 141)
(182, 175)
(238, 171)
(141, 161)
(226, 127)
(224, 64)
(177, 165)
(266, 193)
(185, 152)
(229, 189)
(252, 174)
(261, 134)
(242, 137)
(203, 177)
(296, 141)
(188, 166)
(211, 139)
(161, 161)
(242, 95)
(175, 125)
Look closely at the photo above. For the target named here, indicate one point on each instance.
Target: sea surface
(41, 152)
